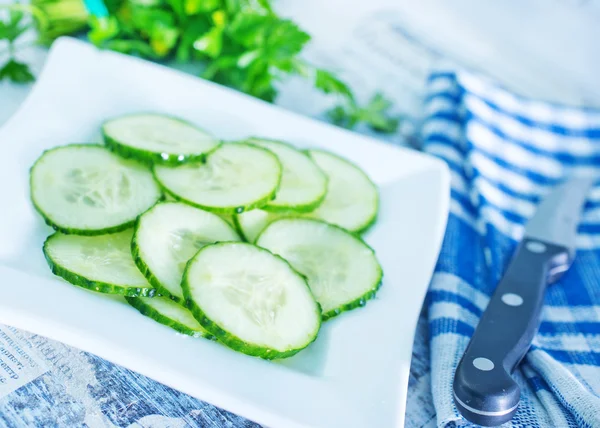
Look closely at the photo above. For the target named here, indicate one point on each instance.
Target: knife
(484, 391)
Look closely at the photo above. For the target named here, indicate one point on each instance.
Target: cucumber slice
(236, 177)
(167, 236)
(98, 263)
(87, 190)
(251, 223)
(229, 219)
(169, 313)
(342, 271)
(156, 138)
(352, 199)
(303, 184)
(251, 300)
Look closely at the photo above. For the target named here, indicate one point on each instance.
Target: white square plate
(354, 375)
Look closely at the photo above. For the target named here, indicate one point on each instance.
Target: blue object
(506, 152)
(96, 8)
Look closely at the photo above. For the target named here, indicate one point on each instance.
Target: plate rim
(436, 165)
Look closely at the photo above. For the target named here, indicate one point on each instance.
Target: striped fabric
(504, 152)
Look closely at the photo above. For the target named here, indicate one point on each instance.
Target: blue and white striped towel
(504, 152)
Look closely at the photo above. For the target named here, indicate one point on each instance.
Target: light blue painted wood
(82, 390)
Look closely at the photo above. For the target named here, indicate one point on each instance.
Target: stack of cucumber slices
(250, 243)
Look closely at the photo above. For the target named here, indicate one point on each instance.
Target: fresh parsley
(11, 28)
(242, 44)
(375, 115)
(16, 72)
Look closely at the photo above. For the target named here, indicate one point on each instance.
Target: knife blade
(484, 391)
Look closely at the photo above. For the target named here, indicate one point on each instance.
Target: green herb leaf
(216, 67)
(193, 29)
(259, 81)
(249, 29)
(57, 18)
(163, 38)
(131, 47)
(242, 44)
(248, 58)
(375, 115)
(156, 25)
(345, 117)
(145, 18)
(210, 43)
(16, 72)
(266, 47)
(13, 28)
(102, 29)
(328, 83)
(179, 7)
(234, 6)
(193, 7)
(285, 39)
(145, 3)
(266, 5)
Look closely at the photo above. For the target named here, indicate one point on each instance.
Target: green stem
(61, 17)
(38, 15)
(13, 48)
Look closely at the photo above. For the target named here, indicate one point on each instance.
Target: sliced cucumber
(229, 219)
(87, 190)
(98, 263)
(251, 300)
(251, 223)
(169, 313)
(156, 138)
(352, 199)
(303, 184)
(168, 235)
(235, 178)
(342, 271)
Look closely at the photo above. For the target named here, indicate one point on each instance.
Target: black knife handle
(484, 391)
